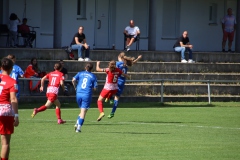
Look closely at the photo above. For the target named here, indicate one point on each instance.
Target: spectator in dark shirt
(183, 44)
(79, 43)
(65, 74)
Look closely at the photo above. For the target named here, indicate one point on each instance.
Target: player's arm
(42, 83)
(98, 69)
(74, 83)
(126, 75)
(77, 41)
(139, 57)
(14, 103)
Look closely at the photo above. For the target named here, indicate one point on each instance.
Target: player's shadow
(142, 133)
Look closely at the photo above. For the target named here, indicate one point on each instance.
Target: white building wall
(194, 17)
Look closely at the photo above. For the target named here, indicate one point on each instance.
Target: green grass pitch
(148, 131)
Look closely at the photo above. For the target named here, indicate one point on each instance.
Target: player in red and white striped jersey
(111, 86)
(56, 79)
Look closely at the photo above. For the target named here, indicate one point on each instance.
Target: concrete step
(168, 67)
(183, 76)
(107, 55)
(136, 99)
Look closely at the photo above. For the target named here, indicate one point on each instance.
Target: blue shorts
(83, 101)
(120, 89)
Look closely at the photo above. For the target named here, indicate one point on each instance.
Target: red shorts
(228, 35)
(6, 124)
(52, 97)
(108, 93)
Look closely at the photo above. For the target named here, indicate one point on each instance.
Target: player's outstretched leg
(36, 110)
(115, 104)
(100, 108)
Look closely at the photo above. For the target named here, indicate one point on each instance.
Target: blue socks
(115, 104)
(80, 121)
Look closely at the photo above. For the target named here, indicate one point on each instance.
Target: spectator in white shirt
(131, 32)
(14, 21)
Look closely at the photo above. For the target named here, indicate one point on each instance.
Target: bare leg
(131, 41)
(5, 139)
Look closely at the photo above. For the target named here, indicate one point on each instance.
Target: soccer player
(86, 82)
(110, 88)
(123, 63)
(8, 106)
(16, 71)
(56, 79)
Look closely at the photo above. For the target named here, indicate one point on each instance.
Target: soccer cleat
(75, 127)
(106, 100)
(111, 101)
(101, 116)
(111, 115)
(60, 121)
(35, 111)
(77, 131)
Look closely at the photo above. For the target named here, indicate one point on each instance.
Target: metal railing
(162, 81)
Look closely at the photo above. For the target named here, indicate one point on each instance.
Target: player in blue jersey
(86, 83)
(16, 71)
(123, 63)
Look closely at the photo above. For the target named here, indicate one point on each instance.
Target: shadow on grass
(136, 133)
(124, 105)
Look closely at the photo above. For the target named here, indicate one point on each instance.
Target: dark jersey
(81, 37)
(64, 71)
(181, 39)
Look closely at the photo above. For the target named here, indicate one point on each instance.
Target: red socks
(58, 113)
(4, 158)
(42, 108)
(100, 106)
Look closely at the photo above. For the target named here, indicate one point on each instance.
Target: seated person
(79, 43)
(32, 71)
(25, 32)
(131, 32)
(183, 44)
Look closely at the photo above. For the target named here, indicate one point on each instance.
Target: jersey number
(115, 78)
(84, 84)
(53, 81)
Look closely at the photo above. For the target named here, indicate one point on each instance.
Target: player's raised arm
(98, 69)
(139, 57)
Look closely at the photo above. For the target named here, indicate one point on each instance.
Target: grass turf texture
(149, 131)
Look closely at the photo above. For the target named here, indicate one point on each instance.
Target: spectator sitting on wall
(79, 43)
(183, 44)
(131, 32)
